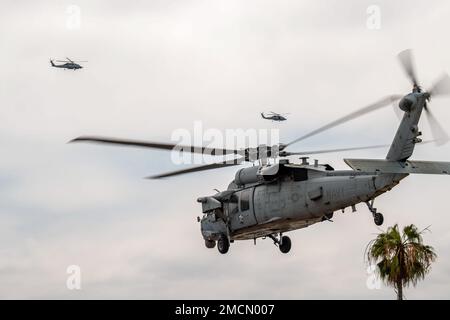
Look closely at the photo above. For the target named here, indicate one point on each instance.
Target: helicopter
(67, 64)
(274, 197)
(274, 116)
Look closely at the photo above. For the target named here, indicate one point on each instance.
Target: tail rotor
(440, 87)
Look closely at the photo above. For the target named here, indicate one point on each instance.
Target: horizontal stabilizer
(386, 166)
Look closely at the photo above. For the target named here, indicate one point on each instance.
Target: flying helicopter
(274, 116)
(67, 64)
(272, 198)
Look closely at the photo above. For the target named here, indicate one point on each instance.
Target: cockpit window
(245, 200)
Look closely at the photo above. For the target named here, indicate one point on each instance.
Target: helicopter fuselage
(295, 197)
(71, 66)
(273, 117)
(277, 118)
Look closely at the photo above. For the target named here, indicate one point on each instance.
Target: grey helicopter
(274, 116)
(67, 64)
(275, 197)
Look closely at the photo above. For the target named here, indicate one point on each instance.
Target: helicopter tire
(285, 245)
(210, 244)
(223, 244)
(378, 218)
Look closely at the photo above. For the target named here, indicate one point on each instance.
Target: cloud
(158, 66)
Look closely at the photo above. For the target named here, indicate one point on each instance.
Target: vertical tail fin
(402, 146)
(51, 62)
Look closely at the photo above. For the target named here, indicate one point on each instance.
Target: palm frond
(401, 258)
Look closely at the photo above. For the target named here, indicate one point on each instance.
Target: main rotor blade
(358, 113)
(441, 86)
(334, 150)
(69, 59)
(440, 136)
(406, 60)
(398, 112)
(379, 146)
(211, 166)
(156, 145)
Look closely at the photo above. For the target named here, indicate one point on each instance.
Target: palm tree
(401, 259)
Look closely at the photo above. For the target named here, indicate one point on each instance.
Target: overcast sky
(157, 66)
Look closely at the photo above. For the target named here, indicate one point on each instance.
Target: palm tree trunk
(399, 289)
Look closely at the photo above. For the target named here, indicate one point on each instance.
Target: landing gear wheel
(285, 245)
(223, 244)
(378, 218)
(210, 244)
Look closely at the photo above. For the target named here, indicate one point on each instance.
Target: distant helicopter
(269, 199)
(68, 64)
(274, 116)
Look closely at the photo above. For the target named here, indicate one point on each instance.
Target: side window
(233, 205)
(245, 200)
